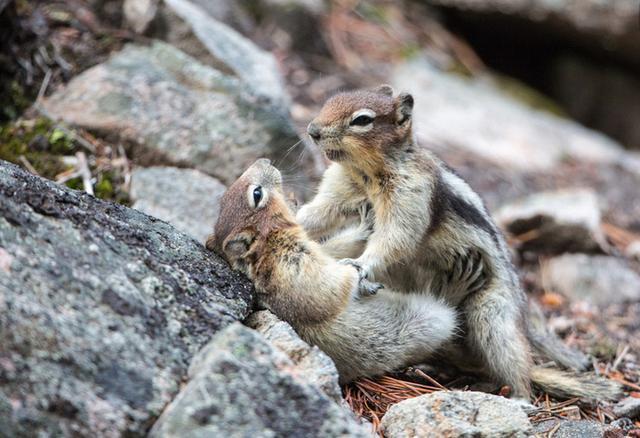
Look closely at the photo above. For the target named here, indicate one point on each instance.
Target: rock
(456, 413)
(627, 407)
(101, 309)
(579, 429)
(604, 97)
(240, 385)
(559, 221)
(139, 13)
(598, 279)
(493, 125)
(575, 429)
(610, 25)
(309, 361)
(186, 198)
(256, 68)
(173, 110)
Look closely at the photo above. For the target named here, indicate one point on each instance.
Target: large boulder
(608, 25)
(473, 115)
(101, 309)
(171, 109)
(239, 384)
(186, 198)
(257, 69)
(456, 413)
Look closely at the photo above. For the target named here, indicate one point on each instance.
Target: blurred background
(160, 104)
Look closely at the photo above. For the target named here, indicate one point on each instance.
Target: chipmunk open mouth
(334, 154)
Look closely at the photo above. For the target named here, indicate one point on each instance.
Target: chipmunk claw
(368, 288)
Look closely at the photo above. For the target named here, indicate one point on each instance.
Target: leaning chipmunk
(257, 234)
(429, 227)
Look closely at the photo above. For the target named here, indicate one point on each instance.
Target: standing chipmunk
(257, 234)
(429, 227)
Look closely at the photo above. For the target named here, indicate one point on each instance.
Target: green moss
(37, 142)
(104, 188)
(75, 184)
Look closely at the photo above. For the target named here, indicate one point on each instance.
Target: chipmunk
(429, 225)
(258, 235)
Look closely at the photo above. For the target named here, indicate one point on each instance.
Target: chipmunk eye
(257, 195)
(362, 120)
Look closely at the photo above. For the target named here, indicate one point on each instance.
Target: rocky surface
(555, 222)
(628, 407)
(172, 109)
(456, 413)
(239, 384)
(494, 126)
(101, 310)
(571, 429)
(598, 279)
(186, 198)
(256, 68)
(309, 361)
(611, 25)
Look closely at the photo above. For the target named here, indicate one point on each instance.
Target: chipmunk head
(252, 206)
(362, 124)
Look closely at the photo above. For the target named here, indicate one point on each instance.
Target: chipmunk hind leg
(496, 335)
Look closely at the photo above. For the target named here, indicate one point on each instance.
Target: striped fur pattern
(430, 229)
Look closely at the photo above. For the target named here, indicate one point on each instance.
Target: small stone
(555, 222)
(579, 429)
(456, 413)
(186, 198)
(598, 279)
(139, 13)
(633, 250)
(628, 407)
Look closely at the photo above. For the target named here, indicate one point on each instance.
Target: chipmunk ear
(404, 107)
(385, 89)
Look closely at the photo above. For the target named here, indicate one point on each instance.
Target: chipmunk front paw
(365, 286)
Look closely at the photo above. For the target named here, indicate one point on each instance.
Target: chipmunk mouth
(334, 154)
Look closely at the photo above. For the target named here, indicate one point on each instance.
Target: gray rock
(628, 407)
(579, 429)
(186, 198)
(309, 361)
(611, 25)
(256, 68)
(598, 279)
(173, 110)
(101, 309)
(456, 413)
(494, 126)
(241, 386)
(559, 221)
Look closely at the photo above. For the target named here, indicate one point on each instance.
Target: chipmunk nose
(314, 131)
